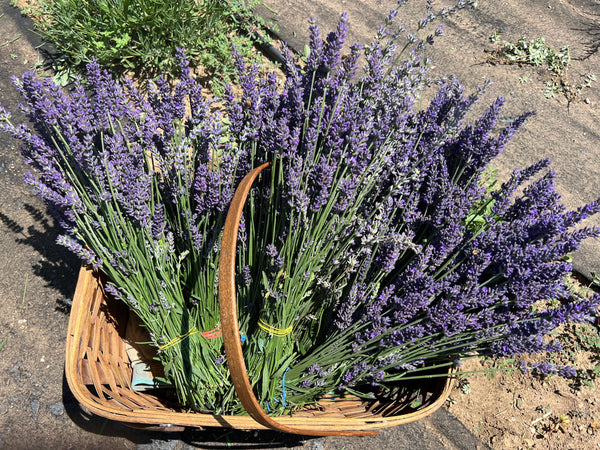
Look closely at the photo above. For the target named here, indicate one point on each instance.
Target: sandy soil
(512, 410)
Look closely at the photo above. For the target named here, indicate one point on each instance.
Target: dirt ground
(515, 411)
(506, 411)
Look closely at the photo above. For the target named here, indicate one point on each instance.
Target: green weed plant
(141, 36)
(536, 52)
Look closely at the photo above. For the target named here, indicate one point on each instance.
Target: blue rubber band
(283, 388)
(283, 402)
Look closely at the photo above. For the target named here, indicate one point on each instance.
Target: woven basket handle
(230, 326)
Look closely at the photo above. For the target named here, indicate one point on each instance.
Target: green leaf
(122, 41)
(265, 380)
(306, 51)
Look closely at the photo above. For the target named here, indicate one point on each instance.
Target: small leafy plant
(596, 279)
(141, 36)
(536, 52)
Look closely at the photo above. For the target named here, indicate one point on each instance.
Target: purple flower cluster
(416, 275)
(106, 146)
(140, 182)
(545, 368)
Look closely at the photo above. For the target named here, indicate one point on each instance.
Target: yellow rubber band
(274, 331)
(178, 339)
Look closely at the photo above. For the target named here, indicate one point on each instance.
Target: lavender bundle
(369, 253)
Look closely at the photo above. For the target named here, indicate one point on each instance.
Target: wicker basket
(99, 373)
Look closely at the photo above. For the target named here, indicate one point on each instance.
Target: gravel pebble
(169, 443)
(317, 444)
(35, 407)
(37, 391)
(57, 408)
(19, 374)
